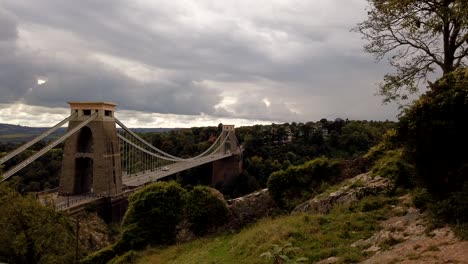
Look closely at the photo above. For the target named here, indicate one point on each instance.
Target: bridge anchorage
(103, 164)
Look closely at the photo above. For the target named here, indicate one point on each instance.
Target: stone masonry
(91, 156)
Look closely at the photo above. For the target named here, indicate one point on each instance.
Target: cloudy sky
(185, 63)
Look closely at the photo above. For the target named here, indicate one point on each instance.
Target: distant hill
(17, 133)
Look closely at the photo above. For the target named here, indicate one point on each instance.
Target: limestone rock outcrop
(351, 191)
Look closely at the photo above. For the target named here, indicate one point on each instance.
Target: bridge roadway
(141, 178)
(131, 183)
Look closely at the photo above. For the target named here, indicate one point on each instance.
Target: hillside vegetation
(423, 155)
(403, 157)
(310, 236)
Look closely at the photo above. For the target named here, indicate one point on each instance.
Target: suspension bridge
(103, 160)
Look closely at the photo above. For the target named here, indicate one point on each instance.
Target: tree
(418, 37)
(32, 233)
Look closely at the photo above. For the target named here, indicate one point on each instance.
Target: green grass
(315, 236)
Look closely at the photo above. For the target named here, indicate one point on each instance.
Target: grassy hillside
(310, 235)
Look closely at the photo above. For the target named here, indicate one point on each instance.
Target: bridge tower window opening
(85, 140)
(87, 112)
(108, 113)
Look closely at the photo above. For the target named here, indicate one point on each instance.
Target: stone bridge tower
(91, 156)
(227, 168)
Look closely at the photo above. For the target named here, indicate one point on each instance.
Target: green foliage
(291, 186)
(152, 216)
(32, 233)
(127, 258)
(453, 210)
(393, 165)
(409, 34)
(204, 209)
(315, 237)
(435, 133)
(282, 254)
(372, 203)
(41, 174)
(422, 199)
(390, 241)
(389, 142)
(102, 256)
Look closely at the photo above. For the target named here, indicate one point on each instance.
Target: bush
(205, 209)
(127, 258)
(454, 209)
(392, 165)
(435, 133)
(422, 199)
(295, 184)
(152, 216)
(389, 142)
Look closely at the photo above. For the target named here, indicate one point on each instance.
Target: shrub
(454, 209)
(100, 257)
(435, 133)
(392, 165)
(205, 209)
(291, 186)
(422, 199)
(127, 258)
(152, 216)
(389, 142)
(151, 219)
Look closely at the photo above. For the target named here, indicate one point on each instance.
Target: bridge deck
(134, 180)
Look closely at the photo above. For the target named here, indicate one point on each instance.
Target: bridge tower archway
(83, 175)
(85, 140)
(91, 156)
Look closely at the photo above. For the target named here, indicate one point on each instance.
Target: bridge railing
(75, 200)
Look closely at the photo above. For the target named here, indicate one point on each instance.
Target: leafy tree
(32, 233)
(418, 37)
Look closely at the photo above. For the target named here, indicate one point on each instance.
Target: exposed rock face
(353, 190)
(329, 260)
(406, 239)
(246, 209)
(95, 234)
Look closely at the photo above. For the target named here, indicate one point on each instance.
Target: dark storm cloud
(88, 81)
(7, 26)
(287, 56)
